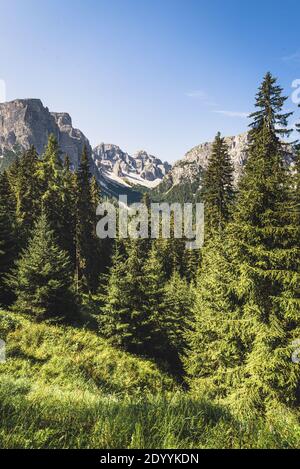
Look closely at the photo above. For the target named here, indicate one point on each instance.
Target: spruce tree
(247, 305)
(27, 192)
(125, 319)
(217, 189)
(8, 238)
(267, 245)
(192, 263)
(173, 251)
(87, 244)
(51, 179)
(42, 280)
(68, 212)
(95, 193)
(268, 116)
(217, 337)
(152, 285)
(295, 194)
(178, 301)
(114, 317)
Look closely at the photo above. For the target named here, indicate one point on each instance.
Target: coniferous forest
(142, 343)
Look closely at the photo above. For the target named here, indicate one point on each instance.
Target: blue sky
(160, 75)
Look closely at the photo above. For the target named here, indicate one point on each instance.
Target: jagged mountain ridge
(136, 169)
(26, 122)
(184, 181)
(190, 169)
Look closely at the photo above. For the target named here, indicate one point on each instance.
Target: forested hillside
(119, 334)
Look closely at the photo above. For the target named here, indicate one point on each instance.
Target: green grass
(63, 387)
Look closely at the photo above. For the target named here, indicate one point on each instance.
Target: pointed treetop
(270, 101)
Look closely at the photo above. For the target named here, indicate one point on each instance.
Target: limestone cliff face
(149, 167)
(196, 160)
(26, 122)
(111, 159)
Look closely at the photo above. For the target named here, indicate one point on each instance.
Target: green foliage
(27, 192)
(9, 158)
(8, 237)
(141, 312)
(66, 388)
(269, 104)
(267, 244)
(51, 180)
(67, 212)
(229, 312)
(217, 335)
(251, 279)
(178, 299)
(126, 320)
(192, 263)
(182, 193)
(217, 189)
(73, 361)
(42, 279)
(87, 244)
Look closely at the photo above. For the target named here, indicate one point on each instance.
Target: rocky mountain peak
(140, 167)
(63, 119)
(199, 155)
(26, 122)
(187, 173)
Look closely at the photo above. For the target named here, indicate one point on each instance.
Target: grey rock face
(26, 122)
(149, 167)
(111, 158)
(71, 140)
(193, 165)
(106, 156)
(196, 160)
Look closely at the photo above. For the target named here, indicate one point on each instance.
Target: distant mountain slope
(184, 181)
(26, 122)
(140, 169)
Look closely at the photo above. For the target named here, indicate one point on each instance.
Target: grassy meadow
(63, 387)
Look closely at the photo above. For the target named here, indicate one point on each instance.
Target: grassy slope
(64, 387)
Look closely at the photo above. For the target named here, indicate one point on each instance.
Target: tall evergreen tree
(178, 300)
(152, 286)
(268, 116)
(114, 316)
(68, 212)
(87, 244)
(8, 237)
(173, 251)
(216, 339)
(248, 354)
(95, 193)
(267, 245)
(218, 190)
(192, 263)
(125, 320)
(27, 191)
(51, 179)
(42, 280)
